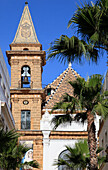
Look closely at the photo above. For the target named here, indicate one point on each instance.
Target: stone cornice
(21, 53)
(26, 53)
(56, 134)
(26, 91)
(68, 135)
(25, 45)
(33, 134)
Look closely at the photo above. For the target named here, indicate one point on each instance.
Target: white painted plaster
(52, 148)
(5, 93)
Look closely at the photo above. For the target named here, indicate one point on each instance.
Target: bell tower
(26, 59)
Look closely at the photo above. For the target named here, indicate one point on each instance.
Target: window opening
(25, 119)
(25, 49)
(64, 157)
(49, 91)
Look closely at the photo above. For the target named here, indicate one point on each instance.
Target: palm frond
(91, 23)
(101, 160)
(12, 153)
(81, 117)
(78, 156)
(71, 49)
(67, 104)
(33, 164)
(99, 149)
(6, 137)
(88, 96)
(77, 86)
(75, 157)
(61, 119)
(101, 109)
(63, 162)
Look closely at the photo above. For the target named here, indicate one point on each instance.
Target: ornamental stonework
(25, 30)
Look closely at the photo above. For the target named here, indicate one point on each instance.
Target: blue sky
(50, 18)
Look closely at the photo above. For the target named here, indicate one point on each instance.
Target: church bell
(25, 81)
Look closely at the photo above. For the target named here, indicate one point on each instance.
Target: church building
(31, 105)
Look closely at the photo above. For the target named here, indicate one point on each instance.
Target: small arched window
(25, 49)
(63, 156)
(50, 91)
(25, 77)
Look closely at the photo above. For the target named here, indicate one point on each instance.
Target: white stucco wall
(4, 81)
(52, 148)
(45, 124)
(5, 113)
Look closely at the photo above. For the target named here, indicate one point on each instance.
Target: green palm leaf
(88, 100)
(78, 156)
(67, 49)
(91, 22)
(75, 157)
(61, 119)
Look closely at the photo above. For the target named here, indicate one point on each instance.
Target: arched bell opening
(25, 77)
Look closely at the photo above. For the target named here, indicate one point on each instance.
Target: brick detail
(36, 137)
(36, 70)
(34, 106)
(68, 135)
(38, 152)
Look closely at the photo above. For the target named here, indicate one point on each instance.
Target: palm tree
(11, 153)
(92, 27)
(91, 21)
(67, 49)
(78, 157)
(6, 136)
(89, 100)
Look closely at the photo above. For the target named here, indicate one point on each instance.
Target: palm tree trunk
(92, 141)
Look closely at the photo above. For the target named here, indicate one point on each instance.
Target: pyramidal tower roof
(26, 31)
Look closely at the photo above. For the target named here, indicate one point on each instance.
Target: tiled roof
(26, 31)
(61, 86)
